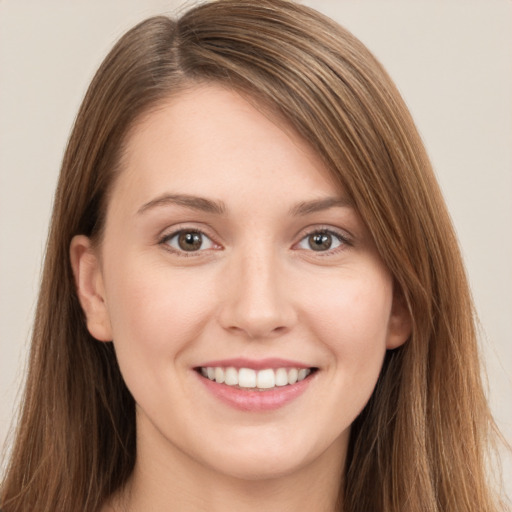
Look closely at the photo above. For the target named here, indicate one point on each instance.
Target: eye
(188, 241)
(322, 241)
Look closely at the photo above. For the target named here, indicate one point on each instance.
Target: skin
(255, 289)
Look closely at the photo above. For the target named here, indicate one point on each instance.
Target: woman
(252, 295)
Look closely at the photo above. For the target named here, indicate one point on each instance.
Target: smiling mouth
(249, 379)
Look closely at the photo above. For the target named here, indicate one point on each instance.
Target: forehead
(209, 136)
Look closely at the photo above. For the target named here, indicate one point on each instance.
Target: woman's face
(229, 253)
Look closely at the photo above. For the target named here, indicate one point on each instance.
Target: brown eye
(189, 241)
(320, 241)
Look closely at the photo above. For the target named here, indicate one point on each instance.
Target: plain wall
(452, 61)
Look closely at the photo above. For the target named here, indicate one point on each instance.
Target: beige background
(452, 60)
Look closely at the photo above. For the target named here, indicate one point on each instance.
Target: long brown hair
(420, 444)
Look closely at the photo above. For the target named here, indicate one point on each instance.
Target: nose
(257, 297)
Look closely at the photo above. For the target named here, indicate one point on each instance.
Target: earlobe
(90, 289)
(400, 321)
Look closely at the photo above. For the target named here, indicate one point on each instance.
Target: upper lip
(255, 364)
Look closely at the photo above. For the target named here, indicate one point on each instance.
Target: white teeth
(249, 378)
(266, 379)
(281, 377)
(303, 373)
(219, 375)
(292, 375)
(231, 377)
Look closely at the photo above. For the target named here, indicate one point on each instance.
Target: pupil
(190, 241)
(320, 241)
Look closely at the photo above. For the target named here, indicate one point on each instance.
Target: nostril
(257, 307)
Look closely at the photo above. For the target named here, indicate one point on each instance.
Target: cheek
(155, 312)
(351, 319)
(354, 306)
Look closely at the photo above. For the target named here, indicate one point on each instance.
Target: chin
(261, 468)
(275, 459)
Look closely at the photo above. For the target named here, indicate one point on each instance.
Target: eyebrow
(317, 205)
(218, 207)
(193, 202)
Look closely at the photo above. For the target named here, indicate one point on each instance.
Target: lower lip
(250, 400)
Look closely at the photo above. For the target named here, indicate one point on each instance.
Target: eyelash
(164, 241)
(343, 239)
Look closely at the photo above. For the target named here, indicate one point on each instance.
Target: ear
(400, 322)
(90, 289)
